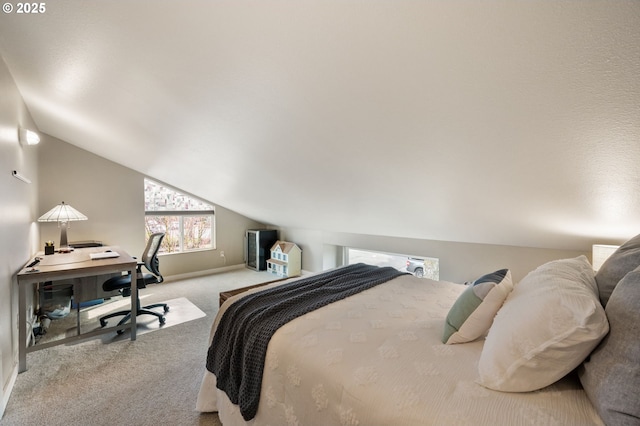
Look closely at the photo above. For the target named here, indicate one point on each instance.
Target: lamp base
(64, 244)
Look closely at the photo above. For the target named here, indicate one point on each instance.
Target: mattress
(376, 358)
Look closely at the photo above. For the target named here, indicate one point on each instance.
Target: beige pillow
(548, 325)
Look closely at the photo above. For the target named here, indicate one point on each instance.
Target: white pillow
(548, 325)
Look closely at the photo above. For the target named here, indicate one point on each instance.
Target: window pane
(377, 258)
(157, 197)
(197, 232)
(187, 221)
(432, 268)
(182, 233)
(424, 267)
(170, 225)
(419, 266)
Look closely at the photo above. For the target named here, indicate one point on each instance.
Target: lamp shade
(600, 254)
(62, 213)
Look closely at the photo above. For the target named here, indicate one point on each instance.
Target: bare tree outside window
(197, 232)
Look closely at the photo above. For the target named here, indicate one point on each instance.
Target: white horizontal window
(421, 267)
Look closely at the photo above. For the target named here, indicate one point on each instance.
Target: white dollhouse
(286, 259)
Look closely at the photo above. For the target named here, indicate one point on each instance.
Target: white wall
(110, 195)
(459, 262)
(18, 232)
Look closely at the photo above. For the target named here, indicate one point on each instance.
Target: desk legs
(22, 327)
(134, 302)
(22, 320)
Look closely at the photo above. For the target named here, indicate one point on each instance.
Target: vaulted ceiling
(478, 121)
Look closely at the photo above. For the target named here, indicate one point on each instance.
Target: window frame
(434, 272)
(181, 214)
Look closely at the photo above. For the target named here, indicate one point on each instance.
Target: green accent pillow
(472, 314)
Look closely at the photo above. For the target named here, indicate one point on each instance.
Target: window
(188, 223)
(421, 267)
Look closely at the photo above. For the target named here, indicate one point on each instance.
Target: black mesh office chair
(123, 283)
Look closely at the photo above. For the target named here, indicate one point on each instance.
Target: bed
(413, 351)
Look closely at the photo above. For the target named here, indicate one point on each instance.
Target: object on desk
(49, 248)
(103, 255)
(85, 244)
(63, 214)
(34, 263)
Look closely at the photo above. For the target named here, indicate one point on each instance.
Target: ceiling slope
(498, 122)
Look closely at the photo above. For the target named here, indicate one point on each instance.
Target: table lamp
(600, 253)
(63, 214)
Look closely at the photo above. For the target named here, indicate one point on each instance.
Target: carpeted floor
(111, 380)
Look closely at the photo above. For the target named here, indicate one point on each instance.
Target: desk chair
(123, 283)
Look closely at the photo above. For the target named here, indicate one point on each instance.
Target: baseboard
(6, 392)
(203, 273)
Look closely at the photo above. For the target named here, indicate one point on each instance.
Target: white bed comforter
(376, 359)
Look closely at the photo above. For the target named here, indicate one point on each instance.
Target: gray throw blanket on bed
(238, 350)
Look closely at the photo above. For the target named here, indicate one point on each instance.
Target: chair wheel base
(161, 319)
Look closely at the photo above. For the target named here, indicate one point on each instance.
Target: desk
(61, 266)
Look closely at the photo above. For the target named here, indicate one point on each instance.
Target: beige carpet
(111, 380)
